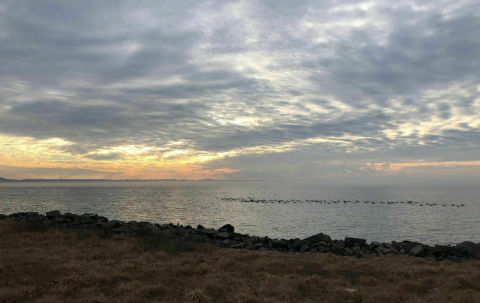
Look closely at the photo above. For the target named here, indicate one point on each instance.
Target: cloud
(106, 157)
(328, 81)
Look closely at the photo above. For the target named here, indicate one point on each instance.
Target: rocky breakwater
(226, 237)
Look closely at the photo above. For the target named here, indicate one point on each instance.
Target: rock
(319, 238)
(339, 243)
(210, 231)
(374, 245)
(278, 244)
(87, 220)
(71, 216)
(229, 228)
(167, 233)
(359, 254)
(180, 231)
(439, 250)
(304, 248)
(101, 225)
(102, 219)
(297, 243)
(114, 224)
(200, 227)
(2, 217)
(90, 216)
(322, 249)
(338, 250)
(387, 245)
(37, 219)
(468, 249)
(122, 229)
(417, 251)
(53, 214)
(222, 236)
(258, 245)
(453, 258)
(236, 236)
(59, 219)
(220, 244)
(238, 246)
(410, 245)
(319, 244)
(389, 250)
(356, 249)
(350, 242)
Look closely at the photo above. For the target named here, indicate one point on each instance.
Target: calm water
(195, 203)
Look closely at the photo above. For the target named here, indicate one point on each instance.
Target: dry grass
(59, 266)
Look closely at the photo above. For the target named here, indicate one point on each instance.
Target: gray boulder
(468, 249)
(222, 236)
(278, 244)
(338, 250)
(373, 245)
(122, 229)
(321, 249)
(417, 251)
(228, 228)
(238, 246)
(439, 250)
(53, 214)
(71, 216)
(180, 230)
(167, 233)
(319, 238)
(351, 242)
(297, 243)
(37, 219)
(385, 250)
(410, 245)
(114, 224)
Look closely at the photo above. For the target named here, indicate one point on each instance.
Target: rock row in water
(226, 237)
(323, 201)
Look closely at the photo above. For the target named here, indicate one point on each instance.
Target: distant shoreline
(116, 180)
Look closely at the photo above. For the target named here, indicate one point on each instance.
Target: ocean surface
(200, 202)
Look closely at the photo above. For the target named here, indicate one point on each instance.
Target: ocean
(299, 214)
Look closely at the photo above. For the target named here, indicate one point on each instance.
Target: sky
(343, 92)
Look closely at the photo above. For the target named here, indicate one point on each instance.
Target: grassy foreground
(61, 266)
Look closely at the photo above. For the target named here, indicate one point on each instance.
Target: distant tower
(60, 176)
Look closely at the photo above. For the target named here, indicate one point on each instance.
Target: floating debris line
(323, 201)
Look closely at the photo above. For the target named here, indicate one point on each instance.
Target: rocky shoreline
(226, 237)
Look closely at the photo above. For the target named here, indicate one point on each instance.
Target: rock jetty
(226, 237)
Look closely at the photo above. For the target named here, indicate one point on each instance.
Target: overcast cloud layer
(328, 90)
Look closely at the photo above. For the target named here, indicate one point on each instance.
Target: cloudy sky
(339, 91)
